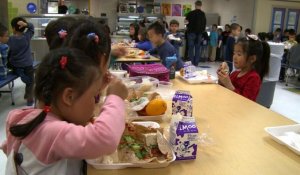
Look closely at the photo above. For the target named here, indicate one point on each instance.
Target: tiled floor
(285, 102)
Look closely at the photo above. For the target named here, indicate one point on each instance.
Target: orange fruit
(156, 107)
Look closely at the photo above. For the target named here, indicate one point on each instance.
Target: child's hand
(106, 80)
(22, 24)
(116, 87)
(224, 79)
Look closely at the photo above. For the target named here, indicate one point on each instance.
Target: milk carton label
(182, 103)
(185, 146)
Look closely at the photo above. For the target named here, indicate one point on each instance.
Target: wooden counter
(236, 124)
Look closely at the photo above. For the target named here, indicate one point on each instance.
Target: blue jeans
(194, 41)
(26, 74)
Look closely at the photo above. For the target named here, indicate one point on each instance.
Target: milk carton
(182, 103)
(184, 137)
(189, 70)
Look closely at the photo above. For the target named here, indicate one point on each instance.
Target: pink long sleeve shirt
(58, 147)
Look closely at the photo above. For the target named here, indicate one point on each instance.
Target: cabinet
(134, 11)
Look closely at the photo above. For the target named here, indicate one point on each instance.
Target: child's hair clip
(62, 34)
(63, 62)
(253, 37)
(94, 37)
(47, 108)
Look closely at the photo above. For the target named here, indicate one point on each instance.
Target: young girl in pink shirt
(57, 136)
(251, 59)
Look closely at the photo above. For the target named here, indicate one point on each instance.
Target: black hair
(174, 21)
(142, 24)
(270, 36)
(3, 30)
(14, 24)
(262, 36)
(51, 79)
(278, 30)
(143, 34)
(261, 50)
(85, 38)
(292, 32)
(54, 39)
(158, 28)
(136, 31)
(235, 26)
(215, 25)
(248, 30)
(198, 3)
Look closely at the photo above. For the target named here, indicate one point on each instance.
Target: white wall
(263, 12)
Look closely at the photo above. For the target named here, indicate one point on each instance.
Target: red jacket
(247, 85)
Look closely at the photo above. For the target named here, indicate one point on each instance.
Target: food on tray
(140, 144)
(135, 53)
(156, 107)
(150, 105)
(225, 67)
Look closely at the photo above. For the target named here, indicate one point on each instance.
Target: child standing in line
(144, 43)
(231, 40)
(20, 54)
(3, 51)
(204, 47)
(251, 57)
(57, 136)
(213, 43)
(163, 48)
(219, 56)
(174, 37)
(225, 35)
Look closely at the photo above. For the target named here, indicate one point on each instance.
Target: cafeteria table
(240, 146)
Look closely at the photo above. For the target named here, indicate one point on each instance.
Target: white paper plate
(288, 135)
(97, 165)
(199, 79)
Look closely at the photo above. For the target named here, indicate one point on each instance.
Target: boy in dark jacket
(20, 54)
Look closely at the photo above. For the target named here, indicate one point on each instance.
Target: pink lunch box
(155, 70)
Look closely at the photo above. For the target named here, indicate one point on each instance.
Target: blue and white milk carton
(184, 137)
(182, 103)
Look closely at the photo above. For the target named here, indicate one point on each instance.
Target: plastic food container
(119, 73)
(146, 82)
(288, 135)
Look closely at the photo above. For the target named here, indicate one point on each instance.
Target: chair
(293, 61)
(10, 82)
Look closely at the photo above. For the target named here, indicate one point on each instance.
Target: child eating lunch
(163, 48)
(251, 58)
(57, 136)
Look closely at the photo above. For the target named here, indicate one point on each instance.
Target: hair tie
(63, 62)
(94, 37)
(62, 34)
(47, 109)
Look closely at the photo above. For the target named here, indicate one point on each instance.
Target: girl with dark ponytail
(58, 135)
(251, 58)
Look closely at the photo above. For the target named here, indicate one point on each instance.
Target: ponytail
(23, 130)
(264, 60)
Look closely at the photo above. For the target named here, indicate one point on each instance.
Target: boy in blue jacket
(20, 54)
(163, 48)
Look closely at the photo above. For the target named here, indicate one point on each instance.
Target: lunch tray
(95, 164)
